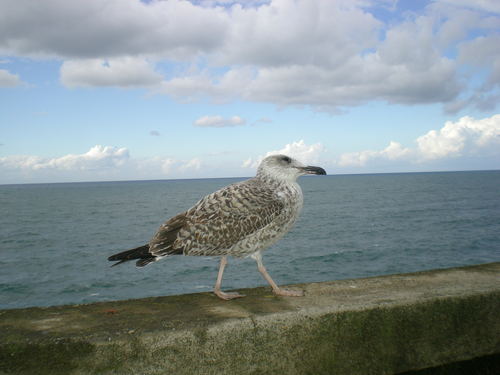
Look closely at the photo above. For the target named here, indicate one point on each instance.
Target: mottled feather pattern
(239, 220)
(248, 216)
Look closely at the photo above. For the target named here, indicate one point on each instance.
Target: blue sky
(124, 89)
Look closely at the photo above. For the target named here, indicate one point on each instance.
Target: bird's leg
(219, 293)
(276, 289)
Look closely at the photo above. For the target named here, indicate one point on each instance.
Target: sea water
(55, 238)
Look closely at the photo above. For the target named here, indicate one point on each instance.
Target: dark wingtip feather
(141, 252)
(120, 262)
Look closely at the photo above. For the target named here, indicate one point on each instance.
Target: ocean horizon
(242, 177)
(55, 237)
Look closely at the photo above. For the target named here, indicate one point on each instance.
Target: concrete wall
(381, 325)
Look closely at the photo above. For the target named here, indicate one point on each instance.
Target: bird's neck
(276, 178)
(277, 182)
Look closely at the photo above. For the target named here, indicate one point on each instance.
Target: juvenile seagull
(241, 220)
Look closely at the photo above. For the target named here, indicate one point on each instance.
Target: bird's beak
(313, 170)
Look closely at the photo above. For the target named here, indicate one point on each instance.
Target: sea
(55, 238)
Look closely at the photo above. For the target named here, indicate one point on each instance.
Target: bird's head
(283, 167)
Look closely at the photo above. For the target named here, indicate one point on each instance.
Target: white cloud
(119, 72)
(283, 33)
(289, 53)
(173, 29)
(170, 167)
(327, 89)
(460, 143)
(8, 79)
(167, 165)
(98, 163)
(98, 157)
(219, 121)
(307, 154)
(395, 151)
(193, 85)
(465, 136)
(324, 54)
(297, 57)
(193, 164)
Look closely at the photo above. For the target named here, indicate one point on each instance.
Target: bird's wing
(219, 221)
(162, 243)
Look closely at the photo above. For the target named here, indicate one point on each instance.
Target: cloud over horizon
(97, 158)
(99, 162)
(466, 137)
(307, 154)
(462, 140)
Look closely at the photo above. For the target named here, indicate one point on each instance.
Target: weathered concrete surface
(380, 325)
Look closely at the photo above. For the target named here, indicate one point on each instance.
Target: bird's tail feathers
(145, 262)
(141, 253)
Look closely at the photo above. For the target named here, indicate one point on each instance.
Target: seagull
(240, 220)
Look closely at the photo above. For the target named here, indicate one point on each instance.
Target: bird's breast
(291, 196)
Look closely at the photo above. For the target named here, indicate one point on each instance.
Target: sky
(104, 90)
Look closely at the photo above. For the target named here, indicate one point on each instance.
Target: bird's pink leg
(276, 289)
(219, 293)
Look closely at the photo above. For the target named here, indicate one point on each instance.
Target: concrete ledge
(380, 325)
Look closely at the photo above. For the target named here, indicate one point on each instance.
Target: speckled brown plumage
(239, 220)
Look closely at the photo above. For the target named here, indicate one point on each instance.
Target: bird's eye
(286, 159)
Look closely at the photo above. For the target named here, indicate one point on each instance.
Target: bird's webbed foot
(226, 296)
